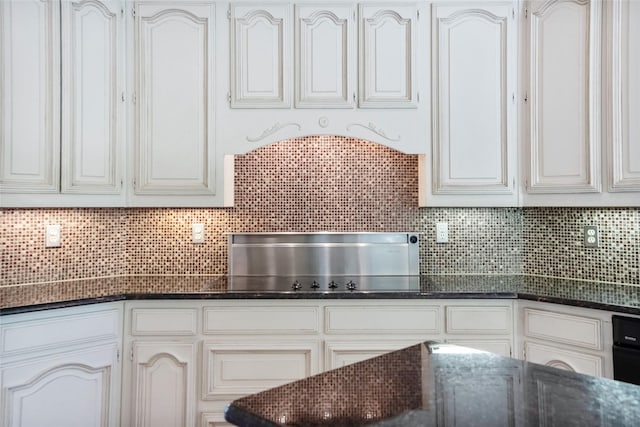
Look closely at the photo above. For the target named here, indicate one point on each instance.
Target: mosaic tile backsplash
(320, 184)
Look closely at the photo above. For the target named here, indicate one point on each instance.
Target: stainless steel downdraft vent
(323, 261)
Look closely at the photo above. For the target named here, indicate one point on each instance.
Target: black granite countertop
(606, 296)
(434, 384)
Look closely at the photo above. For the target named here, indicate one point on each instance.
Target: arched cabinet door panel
(174, 77)
(78, 388)
(387, 39)
(474, 137)
(564, 95)
(92, 81)
(325, 60)
(163, 384)
(260, 55)
(30, 96)
(624, 150)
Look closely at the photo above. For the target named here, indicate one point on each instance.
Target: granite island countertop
(621, 298)
(442, 384)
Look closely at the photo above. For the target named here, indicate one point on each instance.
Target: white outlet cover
(52, 238)
(197, 233)
(442, 232)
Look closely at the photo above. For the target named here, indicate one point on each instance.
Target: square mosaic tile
(320, 183)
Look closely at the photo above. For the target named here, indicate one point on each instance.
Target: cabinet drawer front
(478, 320)
(46, 332)
(164, 321)
(563, 328)
(341, 353)
(233, 369)
(412, 320)
(500, 347)
(563, 359)
(261, 320)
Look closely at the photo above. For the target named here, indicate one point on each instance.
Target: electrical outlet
(591, 236)
(52, 237)
(197, 233)
(442, 232)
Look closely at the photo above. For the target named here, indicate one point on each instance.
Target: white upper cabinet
(564, 95)
(260, 55)
(325, 60)
(29, 96)
(624, 98)
(308, 68)
(91, 84)
(582, 143)
(473, 155)
(62, 113)
(386, 48)
(174, 79)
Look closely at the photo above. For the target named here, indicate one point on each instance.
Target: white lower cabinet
(569, 338)
(61, 367)
(486, 325)
(560, 358)
(185, 361)
(163, 384)
(457, 400)
(341, 353)
(235, 367)
(189, 359)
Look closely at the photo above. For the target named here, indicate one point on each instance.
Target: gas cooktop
(325, 284)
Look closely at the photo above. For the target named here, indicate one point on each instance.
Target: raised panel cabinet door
(325, 56)
(387, 56)
(163, 384)
(501, 347)
(174, 105)
(564, 93)
(560, 358)
(342, 353)
(625, 96)
(458, 402)
(474, 73)
(556, 394)
(260, 55)
(71, 389)
(92, 55)
(29, 96)
(244, 367)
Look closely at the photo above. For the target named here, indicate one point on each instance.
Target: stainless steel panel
(323, 254)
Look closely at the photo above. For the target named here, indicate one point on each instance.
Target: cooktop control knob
(333, 285)
(296, 286)
(315, 285)
(351, 286)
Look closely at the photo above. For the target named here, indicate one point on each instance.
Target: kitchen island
(441, 384)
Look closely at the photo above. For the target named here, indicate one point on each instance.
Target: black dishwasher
(626, 349)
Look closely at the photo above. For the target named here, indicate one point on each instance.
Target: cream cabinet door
(387, 56)
(92, 74)
(325, 56)
(61, 367)
(458, 403)
(30, 96)
(260, 55)
(474, 70)
(73, 388)
(624, 150)
(561, 358)
(174, 78)
(162, 384)
(564, 96)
